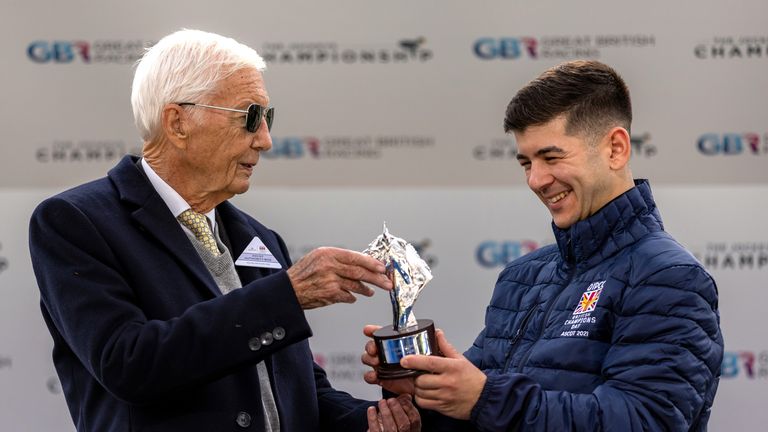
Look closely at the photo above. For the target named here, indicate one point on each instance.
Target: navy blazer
(143, 338)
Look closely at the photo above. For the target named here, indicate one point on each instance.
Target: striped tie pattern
(198, 224)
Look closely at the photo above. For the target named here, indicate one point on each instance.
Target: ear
(175, 125)
(620, 146)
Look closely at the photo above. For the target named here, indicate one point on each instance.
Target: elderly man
(616, 326)
(172, 310)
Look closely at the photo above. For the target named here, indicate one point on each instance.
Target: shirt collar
(176, 204)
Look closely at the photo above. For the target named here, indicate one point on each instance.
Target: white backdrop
(393, 111)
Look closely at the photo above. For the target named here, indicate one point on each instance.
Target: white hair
(184, 67)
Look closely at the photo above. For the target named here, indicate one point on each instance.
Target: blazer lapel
(153, 216)
(240, 234)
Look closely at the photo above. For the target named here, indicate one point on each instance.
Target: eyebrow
(247, 101)
(542, 151)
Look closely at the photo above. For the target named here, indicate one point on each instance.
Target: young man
(616, 326)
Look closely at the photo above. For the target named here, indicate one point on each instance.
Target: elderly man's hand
(331, 275)
(370, 357)
(394, 415)
(454, 384)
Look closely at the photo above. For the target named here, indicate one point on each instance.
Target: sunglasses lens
(270, 116)
(253, 119)
(255, 113)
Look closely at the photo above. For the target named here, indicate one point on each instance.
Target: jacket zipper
(518, 334)
(569, 254)
(541, 331)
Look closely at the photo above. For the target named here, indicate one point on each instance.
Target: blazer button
(278, 333)
(254, 344)
(266, 338)
(243, 419)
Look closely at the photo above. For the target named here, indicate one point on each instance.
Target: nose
(539, 178)
(262, 140)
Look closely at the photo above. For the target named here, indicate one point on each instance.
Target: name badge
(257, 255)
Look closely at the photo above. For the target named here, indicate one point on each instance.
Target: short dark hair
(590, 94)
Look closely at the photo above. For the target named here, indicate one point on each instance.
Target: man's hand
(371, 358)
(331, 275)
(394, 415)
(454, 384)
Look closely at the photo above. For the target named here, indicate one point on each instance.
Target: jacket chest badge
(589, 299)
(582, 315)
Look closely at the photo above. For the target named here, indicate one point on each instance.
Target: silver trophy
(407, 335)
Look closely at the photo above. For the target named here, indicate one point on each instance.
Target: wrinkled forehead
(244, 84)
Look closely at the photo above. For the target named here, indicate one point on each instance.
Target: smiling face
(220, 153)
(573, 178)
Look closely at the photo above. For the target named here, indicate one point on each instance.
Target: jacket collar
(152, 215)
(618, 224)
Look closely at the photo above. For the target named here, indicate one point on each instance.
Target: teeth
(558, 197)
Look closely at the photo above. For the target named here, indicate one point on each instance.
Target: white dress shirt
(176, 204)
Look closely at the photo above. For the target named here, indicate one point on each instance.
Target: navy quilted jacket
(614, 328)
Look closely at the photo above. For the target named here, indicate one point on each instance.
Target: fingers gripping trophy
(407, 335)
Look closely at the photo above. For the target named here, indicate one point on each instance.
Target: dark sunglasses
(255, 112)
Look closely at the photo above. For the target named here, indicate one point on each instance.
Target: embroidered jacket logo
(589, 298)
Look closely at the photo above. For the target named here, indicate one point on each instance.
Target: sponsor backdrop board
(393, 112)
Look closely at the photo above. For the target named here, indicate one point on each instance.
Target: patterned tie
(198, 224)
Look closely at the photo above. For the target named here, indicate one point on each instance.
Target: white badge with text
(257, 255)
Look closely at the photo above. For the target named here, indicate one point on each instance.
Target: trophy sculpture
(407, 335)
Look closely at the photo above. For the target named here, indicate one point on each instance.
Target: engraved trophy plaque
(407, 335)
